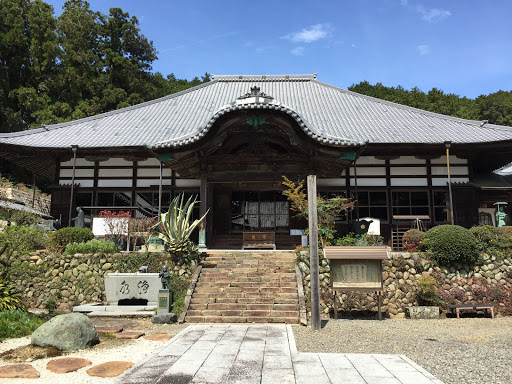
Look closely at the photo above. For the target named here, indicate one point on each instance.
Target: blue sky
(460, 46)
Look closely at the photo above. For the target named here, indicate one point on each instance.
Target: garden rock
(167, 318)
(68, 332)
(422, 312)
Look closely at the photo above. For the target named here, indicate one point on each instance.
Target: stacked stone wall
(62, 281)
(459, 283)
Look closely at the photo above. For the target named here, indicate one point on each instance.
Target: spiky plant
(176, 228)
(9, 297)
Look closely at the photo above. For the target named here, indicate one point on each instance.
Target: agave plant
(175, 225)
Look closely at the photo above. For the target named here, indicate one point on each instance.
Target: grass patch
(18, 324)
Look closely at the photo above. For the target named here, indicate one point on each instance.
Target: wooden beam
(313, 254)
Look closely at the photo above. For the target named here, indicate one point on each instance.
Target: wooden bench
(259, 240)
(475, 307)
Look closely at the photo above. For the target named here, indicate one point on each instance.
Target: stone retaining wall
(459, 283)
(62, 281)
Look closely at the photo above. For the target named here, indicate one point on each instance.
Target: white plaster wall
(114, 183)
(443, 171)
(413, 171)
(362, 171)
(145, 183)
(453, 160)
(115, 172)
(443, 181)
(116, 162)
(377, 182)
(188, 183)
(404, 160)
(151, 161)
(370, 160)
(409, 182)
(166, 172)
(78, 173)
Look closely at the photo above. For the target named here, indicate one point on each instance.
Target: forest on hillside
(55, 69)
(496, 107)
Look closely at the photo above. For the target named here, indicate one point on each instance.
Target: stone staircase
(242, 286)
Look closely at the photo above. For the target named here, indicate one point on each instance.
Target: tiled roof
(328, 114)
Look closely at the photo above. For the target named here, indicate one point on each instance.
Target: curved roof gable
(328, 114)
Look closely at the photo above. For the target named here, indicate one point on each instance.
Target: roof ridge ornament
(255, 92)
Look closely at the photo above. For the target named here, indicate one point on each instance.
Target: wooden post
(160, 195)
(74, 148)
(313, 254)
(203, 197)
(335, 305)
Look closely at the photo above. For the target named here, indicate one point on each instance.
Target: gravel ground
(109, 349)
(466, 350)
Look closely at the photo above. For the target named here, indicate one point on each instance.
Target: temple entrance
(251, 207)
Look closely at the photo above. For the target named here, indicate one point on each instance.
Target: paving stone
(19, 371)
(109, 330)
(159, 337)
(109, 369)
(129, 335)
(66, 364)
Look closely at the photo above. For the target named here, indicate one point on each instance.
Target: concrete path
(264, 354)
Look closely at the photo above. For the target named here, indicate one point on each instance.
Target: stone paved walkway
(264, 354)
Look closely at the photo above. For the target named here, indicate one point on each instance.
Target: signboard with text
(347, 274)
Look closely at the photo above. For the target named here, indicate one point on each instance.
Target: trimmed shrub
(412, 239)
(58, 240)
(91, 246)
(450, 244)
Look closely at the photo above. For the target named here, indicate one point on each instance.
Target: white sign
(100, 227)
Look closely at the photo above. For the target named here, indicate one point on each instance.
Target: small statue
(165, 277)
(501, 217)
(80, 218)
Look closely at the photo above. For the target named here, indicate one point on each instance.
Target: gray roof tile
(326, 113)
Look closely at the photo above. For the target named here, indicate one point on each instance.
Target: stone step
(243, 287)
(242, 319)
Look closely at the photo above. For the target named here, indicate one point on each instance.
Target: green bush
(179, 287)
(504, 236)
(449, 244)
(427, 294)
(9, 297)
(411, 240)
(21, 239)
(58, 240)
(92, 246)
(18, 324)
(364, 240)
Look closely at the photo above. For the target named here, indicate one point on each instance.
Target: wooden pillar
(74, 148)
(313, 254)
(203, 200)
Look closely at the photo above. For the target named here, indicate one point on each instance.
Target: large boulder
(69, 332)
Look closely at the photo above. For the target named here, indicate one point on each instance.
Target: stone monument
(163, 313)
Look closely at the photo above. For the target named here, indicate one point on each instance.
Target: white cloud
(298, 51)
(433, 15)
(423, 49)
(310, 34)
